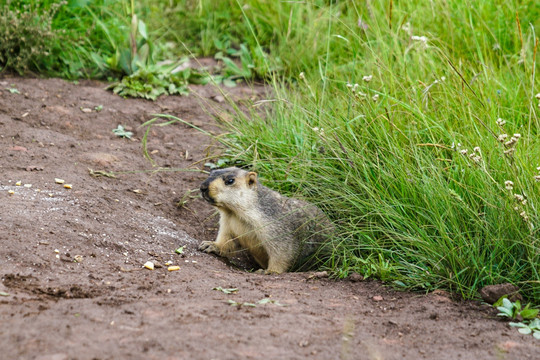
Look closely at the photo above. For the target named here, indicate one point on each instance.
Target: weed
(27, 35)
(513, 310)
(121, 132)
(528, 323)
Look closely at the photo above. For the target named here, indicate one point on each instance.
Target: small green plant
(232, 72)
(513, 310)
(154, 81)
(121, 132)
(180, 250)
(527, 328)
(226, 291)
(528, 321)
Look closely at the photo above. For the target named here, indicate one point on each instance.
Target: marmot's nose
(204, 187)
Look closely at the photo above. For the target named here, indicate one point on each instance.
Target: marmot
(279, 232)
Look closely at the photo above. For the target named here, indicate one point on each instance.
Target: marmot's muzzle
(205, 193)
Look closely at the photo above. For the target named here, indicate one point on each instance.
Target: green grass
(410, 207)
(383, 158)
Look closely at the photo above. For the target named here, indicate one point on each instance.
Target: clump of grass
(27, 36)
(397, 137)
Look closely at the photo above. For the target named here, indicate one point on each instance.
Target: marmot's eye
(229, 181)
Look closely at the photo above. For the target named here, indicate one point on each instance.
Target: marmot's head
(230, 187)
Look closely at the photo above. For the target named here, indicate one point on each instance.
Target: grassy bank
(393, 129)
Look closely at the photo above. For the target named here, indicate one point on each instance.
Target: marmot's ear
(251, 178)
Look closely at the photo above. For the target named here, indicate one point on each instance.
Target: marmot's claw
(209, 247)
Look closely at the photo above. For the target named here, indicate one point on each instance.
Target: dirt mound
(71, 258)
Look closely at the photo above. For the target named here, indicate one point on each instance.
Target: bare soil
(71, 259)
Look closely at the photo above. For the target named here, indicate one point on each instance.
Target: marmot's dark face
(226, 187)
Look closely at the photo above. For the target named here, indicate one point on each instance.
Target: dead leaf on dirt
(18, 148)
(98, 173)
(3, 293)
(59, 181)
(226, 291)
(173, 268)
(244, 304)
(86, 110)
(270, 301)
(378, 298)
(137, 191)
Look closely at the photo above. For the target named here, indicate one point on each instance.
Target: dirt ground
(72, 281)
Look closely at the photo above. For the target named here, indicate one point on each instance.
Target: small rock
(492, 293)
(355, 277)
(378, 298)
(318, 275)
(149, 265)
(218, 98)
(86, 110)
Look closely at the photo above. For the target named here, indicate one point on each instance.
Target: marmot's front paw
(209, 247)
(267, 272)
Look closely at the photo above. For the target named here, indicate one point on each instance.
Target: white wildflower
(509, 185)
(509, 151)
(502, 137)
(537, 178)
(360, 94)
(537, 96)
(302, 76)
(464, 152)
(517, 136)
(422, 39)
(375, 97)
(406, 27)
(477, 149)
(367, 78)
(519, 197)
(500, 122)
(419, 38)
